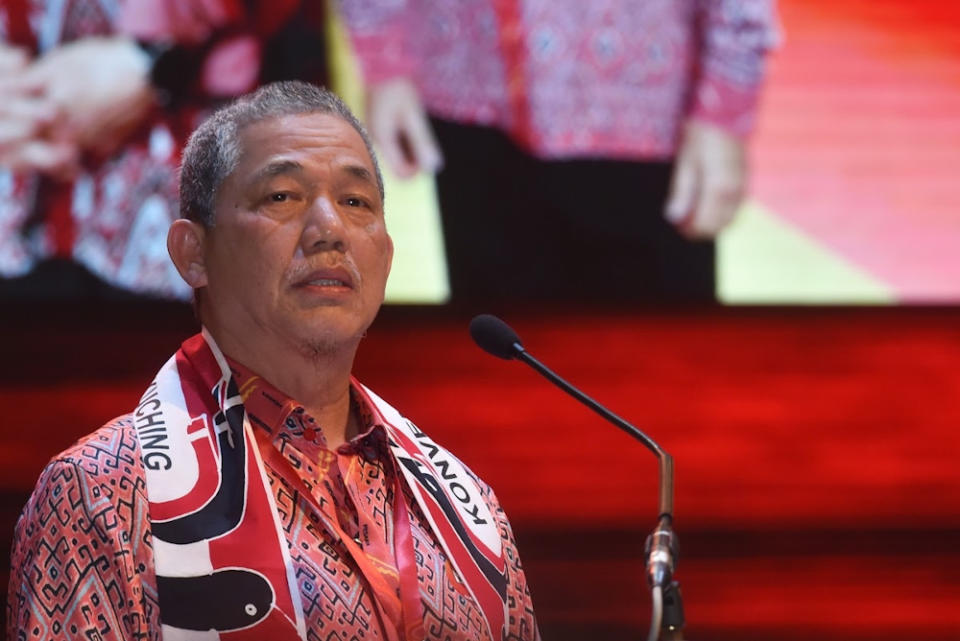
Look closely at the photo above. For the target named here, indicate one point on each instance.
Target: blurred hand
(709, 181)
(26, 118)
(400, 129)
(12, 59)
(102, 88)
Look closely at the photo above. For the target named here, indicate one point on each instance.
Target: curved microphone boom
(497, 338)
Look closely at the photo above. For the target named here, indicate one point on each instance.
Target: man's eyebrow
(361, 172)
(277, 168)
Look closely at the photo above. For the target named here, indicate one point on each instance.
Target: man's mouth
(326, 282)
(327, 278)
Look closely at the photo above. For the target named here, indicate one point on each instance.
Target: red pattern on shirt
(83, 562)
(608, 78)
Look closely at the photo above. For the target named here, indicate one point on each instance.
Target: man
(258, 489)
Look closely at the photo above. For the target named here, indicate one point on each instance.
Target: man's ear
(185, 246)
(389, 253)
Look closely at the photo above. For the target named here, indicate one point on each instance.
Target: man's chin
(329, 339)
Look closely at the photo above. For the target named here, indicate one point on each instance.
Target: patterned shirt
(82, 563)
(568, 78)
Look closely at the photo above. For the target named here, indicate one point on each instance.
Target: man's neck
(319, 382)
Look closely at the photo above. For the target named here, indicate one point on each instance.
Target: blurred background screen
(851, 196)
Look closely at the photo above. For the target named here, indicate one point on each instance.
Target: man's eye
(356, 202)
(279, 197)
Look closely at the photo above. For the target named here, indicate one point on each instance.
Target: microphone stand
(661, 544)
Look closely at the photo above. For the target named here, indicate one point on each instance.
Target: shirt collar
(271, 410)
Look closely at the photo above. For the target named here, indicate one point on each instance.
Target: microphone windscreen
(494, 336)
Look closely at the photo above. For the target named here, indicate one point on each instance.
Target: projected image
(829, 129)
(854, 198)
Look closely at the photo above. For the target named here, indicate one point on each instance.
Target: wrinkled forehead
(310, 131)
(279, 143)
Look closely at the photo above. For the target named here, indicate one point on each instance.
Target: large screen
(854, 197)
(852, 194)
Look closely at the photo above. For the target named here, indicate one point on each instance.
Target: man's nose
(324, 229)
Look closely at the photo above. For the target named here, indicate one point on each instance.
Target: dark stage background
(817, 487)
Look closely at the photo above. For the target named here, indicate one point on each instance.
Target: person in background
(98, 99)
(584, 149)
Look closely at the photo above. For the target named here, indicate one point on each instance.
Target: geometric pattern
(570, 78)
(82, 563)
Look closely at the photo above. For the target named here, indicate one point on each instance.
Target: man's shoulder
(108, 457)
(101, 476)
(106, 453)
(82, 553)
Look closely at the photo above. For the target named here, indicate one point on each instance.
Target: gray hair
(213, 150)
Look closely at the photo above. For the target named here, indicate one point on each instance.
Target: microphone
(497, 338)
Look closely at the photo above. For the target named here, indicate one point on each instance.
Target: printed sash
(455, 509)
(222, 564)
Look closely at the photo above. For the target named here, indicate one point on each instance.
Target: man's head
(283, 236)
(213, 150)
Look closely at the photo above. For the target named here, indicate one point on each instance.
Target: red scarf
(221, 557)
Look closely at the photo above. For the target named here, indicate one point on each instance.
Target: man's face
(299, 251)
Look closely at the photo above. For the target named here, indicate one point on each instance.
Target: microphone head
(495, 337)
